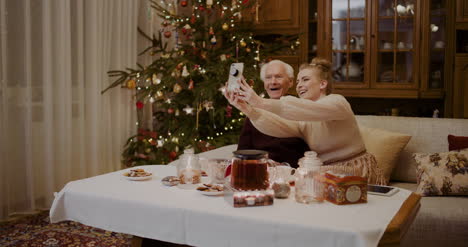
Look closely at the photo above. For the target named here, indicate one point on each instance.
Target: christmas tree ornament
(185, 72)
(193, 19)
(173, 155)
(154, 79)
(229, 111)
(201, 7)
(184, 30)
(170, 110)
(165, 23)
(213, 40)
(177, 88)
(222, 57)
(208, 105)
(188, 110)
(139, 105)
(242, 43)
(177, 113)
(167, 34)
(183, 3)
(248, 49)
(211, 32)
(225, 26)
(151, 100)
(209, 3)
(190, 86)
(159, 95)
(131, 84)
(148, 150)
(179, 66)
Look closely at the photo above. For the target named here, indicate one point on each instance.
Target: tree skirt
(37, 231)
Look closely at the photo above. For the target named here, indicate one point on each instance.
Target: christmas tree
(184, 84)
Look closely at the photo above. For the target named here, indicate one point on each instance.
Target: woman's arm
(274, 125)
(331, 107)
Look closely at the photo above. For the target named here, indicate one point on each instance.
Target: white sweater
(327, 125)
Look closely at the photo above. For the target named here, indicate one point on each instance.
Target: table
(148, 209)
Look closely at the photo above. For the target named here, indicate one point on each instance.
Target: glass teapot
(251, 170)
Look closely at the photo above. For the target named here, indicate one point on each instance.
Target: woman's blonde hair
(324, 67)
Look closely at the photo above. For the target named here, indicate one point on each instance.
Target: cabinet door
(395, 44)
(349, 42)
(277, 14)
(462, 10)
(434, 33)
(460, 87)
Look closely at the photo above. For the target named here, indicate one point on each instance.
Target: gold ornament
(159, 94)
(177, 88)
(131, 84)
(225, 26)
(242, 43)
(248, 49)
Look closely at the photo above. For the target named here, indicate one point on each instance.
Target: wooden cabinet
(462, 10)
(277, 16)
(387, 48)
(460, 87)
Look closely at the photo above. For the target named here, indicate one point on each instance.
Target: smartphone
(235, 73)
(381, 190)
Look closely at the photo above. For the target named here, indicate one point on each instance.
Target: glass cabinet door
(312, 39)
(437, 28)
(348, 37)
(395, 42)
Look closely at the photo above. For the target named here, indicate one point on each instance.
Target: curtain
(55, 126)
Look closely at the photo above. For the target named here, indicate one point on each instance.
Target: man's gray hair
(289, 69)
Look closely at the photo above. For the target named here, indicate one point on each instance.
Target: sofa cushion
(442, 173)
(385, 146)
(457, 142)
(428, 135)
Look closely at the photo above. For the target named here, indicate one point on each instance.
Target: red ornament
(139, 105)
(184, 31)
(172, 155)
(201, 8)
(183, 3)
(245, 1)
(170, 110)
(190, 86)
(228, 111)
(193, 19)
(167, 34)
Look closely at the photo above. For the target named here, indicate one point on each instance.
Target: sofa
(442, 220)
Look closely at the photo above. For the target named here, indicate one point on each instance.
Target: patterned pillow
(442, 174)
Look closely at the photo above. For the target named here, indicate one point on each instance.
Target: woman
(325, 121)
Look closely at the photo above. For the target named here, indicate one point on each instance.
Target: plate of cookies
(211, 189)
(137, 175)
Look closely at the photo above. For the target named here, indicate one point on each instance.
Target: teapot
(354, 70)
(251, 170)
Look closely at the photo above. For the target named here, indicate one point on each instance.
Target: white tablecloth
(149, 209)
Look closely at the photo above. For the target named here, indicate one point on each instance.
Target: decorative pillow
(442, 174)
(385, 146)
(457, 142)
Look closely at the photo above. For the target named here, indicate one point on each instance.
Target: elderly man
(277, 77)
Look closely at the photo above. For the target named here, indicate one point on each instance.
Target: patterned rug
(37, 231)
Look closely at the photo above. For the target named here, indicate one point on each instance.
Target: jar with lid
(250, 170)
(309, 187)
(188, 170)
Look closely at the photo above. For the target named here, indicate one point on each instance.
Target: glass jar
(309, 188)
(188, 170)
(249, 170)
